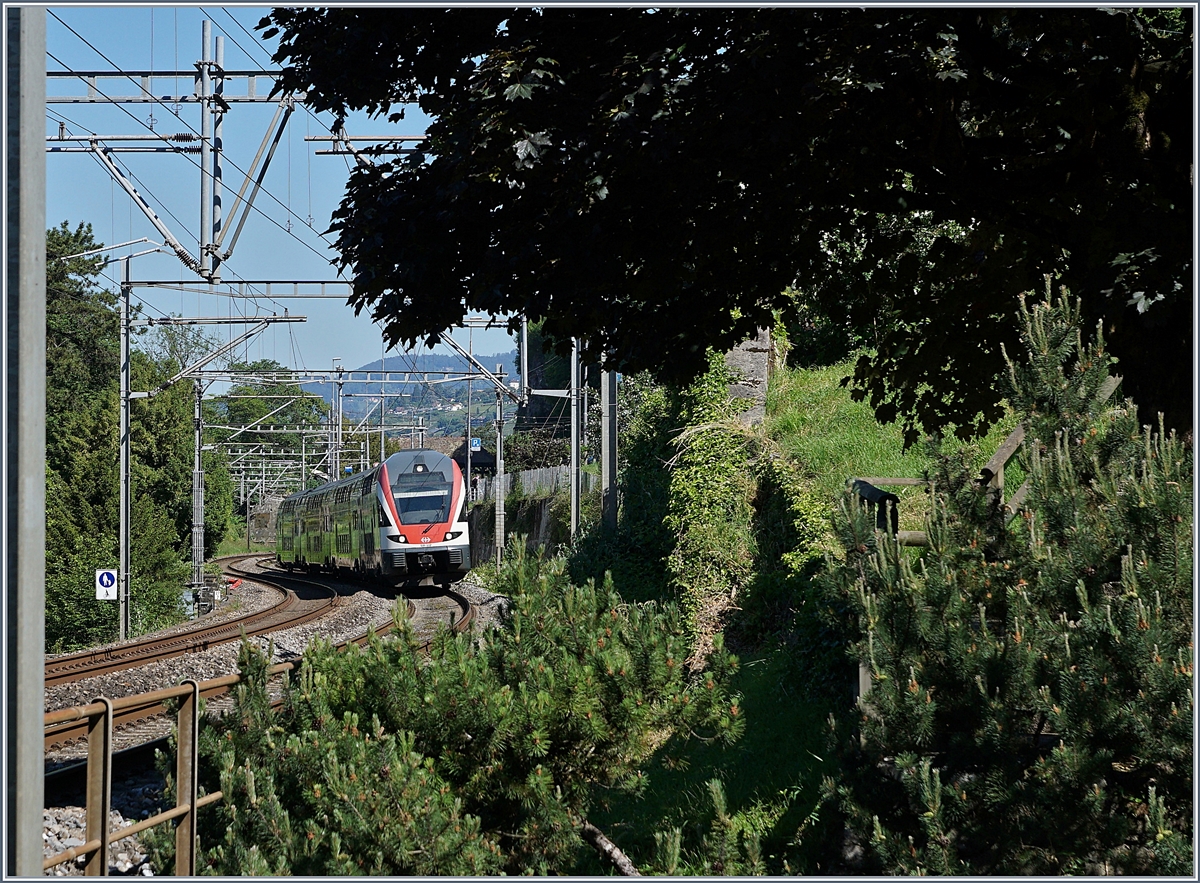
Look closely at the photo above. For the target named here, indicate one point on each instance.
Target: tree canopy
(82, 419)
(653, 179)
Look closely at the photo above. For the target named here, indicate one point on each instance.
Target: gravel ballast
(135, 798)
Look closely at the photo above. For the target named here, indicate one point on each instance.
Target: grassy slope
(772, 775)
(830, 438)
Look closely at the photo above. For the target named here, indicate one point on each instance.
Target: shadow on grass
(771, 777)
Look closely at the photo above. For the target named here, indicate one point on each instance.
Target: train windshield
(422, 497)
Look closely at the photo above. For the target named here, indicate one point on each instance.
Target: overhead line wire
(203, 171)
(237, 276)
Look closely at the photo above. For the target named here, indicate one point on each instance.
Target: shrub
(1030, 706)
(484, 757)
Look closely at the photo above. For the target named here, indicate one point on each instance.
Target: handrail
(99, 714)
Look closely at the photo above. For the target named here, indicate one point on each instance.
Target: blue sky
(299, 185)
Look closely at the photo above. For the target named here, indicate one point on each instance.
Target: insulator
(184, 136)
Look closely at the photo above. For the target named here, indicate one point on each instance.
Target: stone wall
(533, 518)
(262, 520)
(751, 361)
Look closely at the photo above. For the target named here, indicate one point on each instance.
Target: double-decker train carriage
(403, 519)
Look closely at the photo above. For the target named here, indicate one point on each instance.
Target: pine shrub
(485, 756)
(1031, 696)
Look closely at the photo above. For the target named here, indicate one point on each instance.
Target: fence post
(187, 782)
(992, 474)
(99, 787)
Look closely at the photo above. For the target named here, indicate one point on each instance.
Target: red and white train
(402, 520)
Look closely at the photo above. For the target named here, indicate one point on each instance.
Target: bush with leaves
(1030, 704)
(710, 506)
(635, 553)
(487, 754)
(537, 448)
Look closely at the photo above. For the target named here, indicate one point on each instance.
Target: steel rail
(90, 663)
(99, 718)
(68, 725)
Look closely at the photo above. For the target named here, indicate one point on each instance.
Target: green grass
(236, 545)
(831, 438)
(771, 776)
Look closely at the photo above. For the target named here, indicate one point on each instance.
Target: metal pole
(303, 462)
(187, 764)
(216, 156)
(470, 349)
(382, 398)
(499, 476)
(608, 448)
(525, 362)
(206, 204)
(124, 496)
(198, 500)
(337, 471)
(574, 470)
(25, 436)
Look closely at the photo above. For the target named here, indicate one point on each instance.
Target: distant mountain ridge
(439, 362)
(413, 362)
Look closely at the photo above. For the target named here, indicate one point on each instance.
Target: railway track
(146, 712)
(289, 611)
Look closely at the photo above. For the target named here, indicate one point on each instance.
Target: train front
(423, 518)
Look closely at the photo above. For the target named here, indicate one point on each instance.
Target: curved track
(68, 725)
(290, 610)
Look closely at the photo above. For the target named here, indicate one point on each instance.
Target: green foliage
(921, 166)
(709, 510)
(770, 792)
(1030, 708)
(535, 449)
(635, 556)
(82, 417)
(493, 749)
(74, 618)
(254, 399)
(731, 848)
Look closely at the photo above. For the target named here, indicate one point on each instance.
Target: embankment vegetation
(1015, 668)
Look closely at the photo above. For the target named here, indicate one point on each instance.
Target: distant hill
(417, 362)
(439, 362)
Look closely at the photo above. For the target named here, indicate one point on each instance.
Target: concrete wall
(534, 518)
(752, 362)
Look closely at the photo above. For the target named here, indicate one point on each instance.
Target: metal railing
(98, 800)
(991, 478)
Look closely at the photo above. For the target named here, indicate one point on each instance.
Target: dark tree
(654, 179)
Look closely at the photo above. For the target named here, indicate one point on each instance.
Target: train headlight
(397, 538)
(452, 535)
